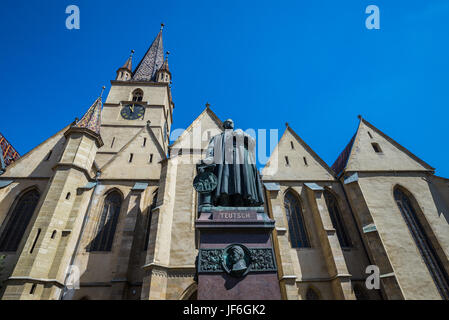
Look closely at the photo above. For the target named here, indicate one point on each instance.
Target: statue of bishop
(231, 155)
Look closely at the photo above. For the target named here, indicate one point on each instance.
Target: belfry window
(137, 95)
(295, 220)
(108, 223)
(337, 219)
(425, 246)
(18, 221)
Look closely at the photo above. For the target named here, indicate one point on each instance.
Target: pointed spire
(152, 61)
(92, 119)
(165, 64)
(129, 63)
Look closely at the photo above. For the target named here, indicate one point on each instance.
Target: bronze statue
(231, 158)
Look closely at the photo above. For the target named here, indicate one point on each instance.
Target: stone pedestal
(226, 234)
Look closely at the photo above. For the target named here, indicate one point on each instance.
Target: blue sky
(310, 63)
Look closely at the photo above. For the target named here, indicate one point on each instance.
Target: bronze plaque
(234, 216)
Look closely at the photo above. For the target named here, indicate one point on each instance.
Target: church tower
(136, 99)
(44, 260)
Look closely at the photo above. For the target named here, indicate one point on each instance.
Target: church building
(106, 209)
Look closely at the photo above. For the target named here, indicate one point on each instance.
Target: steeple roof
(165, 66)
(129, 63)
(151, 62)
(7, 153)
(92, 119)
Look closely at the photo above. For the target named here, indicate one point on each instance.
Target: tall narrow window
(337, 219)
(112, 143)
(295, 219)
(305, 161)
(287, 162)
(108, 223)
(151, 158)
(369, 134)
(425, 246)
(19, 218)
(35, 240)
(131, 156)
(150, 215)
(33, 288)
(376, 147)
(311, 294)
(144, 143)
(292, 145)
(138, 95)
(48, 155)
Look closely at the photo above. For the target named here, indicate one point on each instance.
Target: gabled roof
(310, 150)
(151, 62)
(316, 168)
(206, 111)
(348, 159)
(92, 119)
(153, 137)
(26, 165)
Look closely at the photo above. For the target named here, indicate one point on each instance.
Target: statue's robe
(233, 153)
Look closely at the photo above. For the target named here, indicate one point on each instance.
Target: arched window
(19, 218)
(428, 253)
(336, 218)
(137, 95)
(311, 294)
(108, 223)
(295, 219)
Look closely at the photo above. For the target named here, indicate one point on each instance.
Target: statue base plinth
(220, 230)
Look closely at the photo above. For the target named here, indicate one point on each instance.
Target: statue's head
(236, 254)
(228, 124)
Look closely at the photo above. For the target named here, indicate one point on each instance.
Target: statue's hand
(206, 163)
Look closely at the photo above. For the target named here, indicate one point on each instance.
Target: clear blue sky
(310, 63)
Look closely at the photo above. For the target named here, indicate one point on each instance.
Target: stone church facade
(109, 195)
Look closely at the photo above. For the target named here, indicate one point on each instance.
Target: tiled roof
(151, 62)
(340, 164)
(92, 119)
(9, 154)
